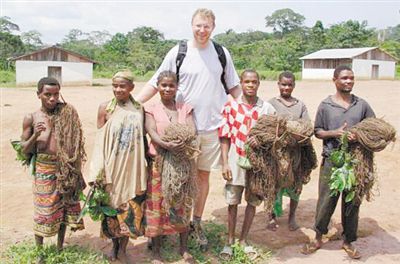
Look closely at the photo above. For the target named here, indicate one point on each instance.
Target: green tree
(317, 37)
(81, 42)
(10, 44)
(32, 40)
(228, 38)
(7, 26)
(73, 35)
(392, 47)
(117, 44)
(350, 34)
(99, 38)
(284, 21)
(393, 33)
(146, 34)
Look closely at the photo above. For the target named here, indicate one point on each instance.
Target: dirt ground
(379, 226)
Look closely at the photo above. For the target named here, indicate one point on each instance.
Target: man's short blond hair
(204, 12)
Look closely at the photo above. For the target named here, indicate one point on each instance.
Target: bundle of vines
(283, 158)
(373, 135)
(178, 172)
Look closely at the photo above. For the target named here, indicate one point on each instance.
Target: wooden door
(54, 72)
(375, 72)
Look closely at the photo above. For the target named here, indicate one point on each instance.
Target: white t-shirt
(200, 83)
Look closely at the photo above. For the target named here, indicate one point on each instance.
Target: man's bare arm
(235, 91)
(147, 92)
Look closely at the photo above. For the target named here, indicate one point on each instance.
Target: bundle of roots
(178, 172)
(284, 157)
(373, 135)
(70, 151)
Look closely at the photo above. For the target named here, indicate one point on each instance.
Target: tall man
(293, 109)
(335, 115)
(200, 86)
(53, 134)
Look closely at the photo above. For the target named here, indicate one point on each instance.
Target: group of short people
(124, 162)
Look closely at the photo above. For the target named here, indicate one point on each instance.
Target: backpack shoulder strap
(222, 60)
(180, 57)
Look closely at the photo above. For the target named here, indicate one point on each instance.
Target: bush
(102, 73)
(7, 76)
(108, 74)
(268, 75)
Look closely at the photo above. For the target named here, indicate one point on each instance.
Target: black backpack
(221, 56)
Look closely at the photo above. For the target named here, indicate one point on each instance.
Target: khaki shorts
(233, 195)
(210, 156)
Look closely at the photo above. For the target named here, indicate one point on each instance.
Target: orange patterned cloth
(128, 222)
(49, 209)
(158, 222)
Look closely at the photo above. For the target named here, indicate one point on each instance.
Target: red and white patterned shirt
(239, 118)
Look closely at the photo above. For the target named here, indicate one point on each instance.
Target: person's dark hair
(47, 81)
(249, 71)
(341, 68)
(167, 74)
(287, 75)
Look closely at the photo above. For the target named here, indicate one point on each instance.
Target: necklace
(168, 111)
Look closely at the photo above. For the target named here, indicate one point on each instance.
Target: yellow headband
(125, 74)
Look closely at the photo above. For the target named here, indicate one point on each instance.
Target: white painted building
(69, 68)
(367, 63)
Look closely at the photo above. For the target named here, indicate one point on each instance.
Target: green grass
(7, 78)
(216, 235)
(27, 252)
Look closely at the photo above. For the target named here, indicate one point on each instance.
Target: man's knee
(203, 176)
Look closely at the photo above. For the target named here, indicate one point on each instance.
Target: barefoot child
(239, 117)
(53, 135)
(293, 109)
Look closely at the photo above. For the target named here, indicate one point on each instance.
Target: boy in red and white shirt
(238, 118)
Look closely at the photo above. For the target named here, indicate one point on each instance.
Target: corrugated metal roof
(55, 47)
(337, 53)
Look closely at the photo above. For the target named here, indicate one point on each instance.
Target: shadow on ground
(371, 235)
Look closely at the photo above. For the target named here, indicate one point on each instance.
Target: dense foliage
(342, 176)
(143, 48)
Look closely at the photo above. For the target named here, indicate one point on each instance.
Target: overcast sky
(54, 19)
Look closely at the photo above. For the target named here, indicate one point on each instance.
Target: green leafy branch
(16, 145)
(26, 160)
(342, 174)
(96, 204)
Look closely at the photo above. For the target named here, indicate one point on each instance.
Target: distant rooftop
(57, 47)
(337, 53)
